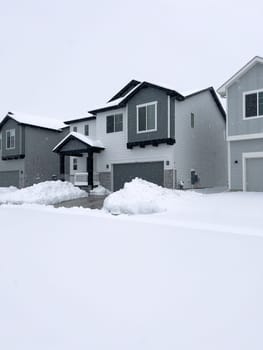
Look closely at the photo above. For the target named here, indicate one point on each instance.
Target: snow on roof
(83, 117)
(191, 92)
(42, 122)
(83, 138)
(117, 101)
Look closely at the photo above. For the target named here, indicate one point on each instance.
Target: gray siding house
(151, 132)
(244, 98)
(26, 144)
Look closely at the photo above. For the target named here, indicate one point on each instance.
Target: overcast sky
(62, 58)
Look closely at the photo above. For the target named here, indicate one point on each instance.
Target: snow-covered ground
(48, 192)
(188, 277)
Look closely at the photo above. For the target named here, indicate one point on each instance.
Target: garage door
(254, 174)
(9, 178)
(150, 171)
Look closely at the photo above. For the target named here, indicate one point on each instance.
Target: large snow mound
(48, 192)
(143, 197)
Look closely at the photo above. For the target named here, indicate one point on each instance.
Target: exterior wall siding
(105, 180)
(147, 95)
(236, 150)
(202, 148)
(169, 180)
(116, 147)
(251, 80)
(41, 164)
(19, 139)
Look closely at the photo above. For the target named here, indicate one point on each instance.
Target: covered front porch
(78, 145)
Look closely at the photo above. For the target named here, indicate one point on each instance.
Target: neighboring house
(26, 155)
(151, 132)
(244, 95)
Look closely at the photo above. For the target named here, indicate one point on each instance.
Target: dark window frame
(75, 164)
(10, 139)
(192, 120)
(113, 124)
(86, 129)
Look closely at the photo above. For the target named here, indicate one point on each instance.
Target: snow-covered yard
(187, 277)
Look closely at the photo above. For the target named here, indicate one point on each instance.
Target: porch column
(62, 166)
(90, 169)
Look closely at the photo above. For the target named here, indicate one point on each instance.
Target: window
(0, 143)
(10, 138)
(75, 128)
(147, 117)
(253, 104)
(192, 120)
(75, 163)
(114, 123)
(86, 130)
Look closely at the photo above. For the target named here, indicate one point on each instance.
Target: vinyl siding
(251, 80)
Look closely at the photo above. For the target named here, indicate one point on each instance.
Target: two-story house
(244, 96)
(151, 132)
(26, 144)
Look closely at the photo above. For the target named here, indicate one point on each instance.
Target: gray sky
(62, 58)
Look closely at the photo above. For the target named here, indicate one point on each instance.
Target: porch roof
(76, 144)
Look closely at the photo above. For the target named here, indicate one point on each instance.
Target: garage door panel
(9, 178)
(149, 171)
(254, 174)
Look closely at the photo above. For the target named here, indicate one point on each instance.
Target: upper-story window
(86, 130)
(0, 143)
(75, 128)
(147, 117)
(253, 104)
(10, 138)
(114, 123)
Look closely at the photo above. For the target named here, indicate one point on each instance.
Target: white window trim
(244, 104)
(137, 117)
(246, 156)
(10, 130)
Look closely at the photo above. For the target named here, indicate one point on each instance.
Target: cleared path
(92, 202)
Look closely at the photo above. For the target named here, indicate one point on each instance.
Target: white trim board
(245, 137)
(245, 156)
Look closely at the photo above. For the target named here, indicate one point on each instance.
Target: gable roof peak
(222, 89)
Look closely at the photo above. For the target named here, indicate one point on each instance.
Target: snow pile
(142, 197)
(7, 189)
(99, 191)
(48, 192)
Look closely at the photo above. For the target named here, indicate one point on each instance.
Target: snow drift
(143, 197)
(48, 192)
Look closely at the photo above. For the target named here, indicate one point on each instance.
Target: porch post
(90, 169)
(62, 166)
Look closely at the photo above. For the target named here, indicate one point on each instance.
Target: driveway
(92, 202)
